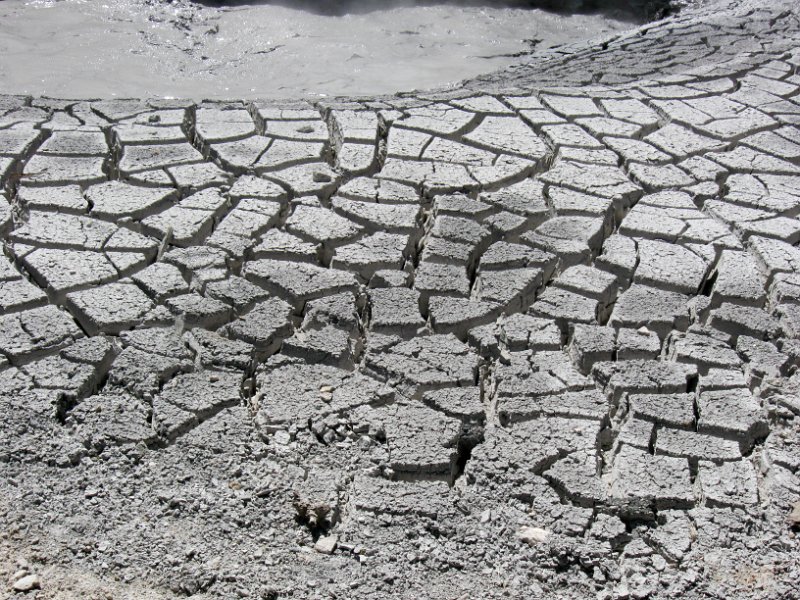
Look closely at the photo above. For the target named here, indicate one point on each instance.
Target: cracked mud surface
(537, 336)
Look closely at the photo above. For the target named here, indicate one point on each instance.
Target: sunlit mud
(92, 48)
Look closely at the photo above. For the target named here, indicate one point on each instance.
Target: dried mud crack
(533, 337)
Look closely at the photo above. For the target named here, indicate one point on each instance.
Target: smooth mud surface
(131, 48)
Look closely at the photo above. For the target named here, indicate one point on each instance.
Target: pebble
(659, 564)
(794, 516)
(282, 437)
(27, 583)
(533, 535)
(621, 592)
(327, 544)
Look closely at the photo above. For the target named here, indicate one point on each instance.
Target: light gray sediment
(533, 336)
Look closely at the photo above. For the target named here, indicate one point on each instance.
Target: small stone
(621, 592)
(327, 544)
(320, 177)
(533, 535)
(794, 516)
(282, 437)
(659, 564)
(27, 583)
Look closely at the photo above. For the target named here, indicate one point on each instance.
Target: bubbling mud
(136, 48)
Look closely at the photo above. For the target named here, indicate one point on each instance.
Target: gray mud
(131, 48)
(533, 337)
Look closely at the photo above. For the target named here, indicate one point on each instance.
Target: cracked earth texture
(533, 337)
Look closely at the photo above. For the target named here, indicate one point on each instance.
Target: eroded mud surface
(534, 337)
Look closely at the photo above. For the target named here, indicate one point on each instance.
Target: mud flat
(534, 336)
